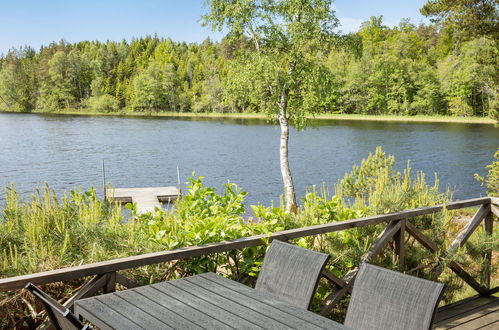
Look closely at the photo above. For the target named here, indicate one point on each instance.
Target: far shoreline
(220, 115)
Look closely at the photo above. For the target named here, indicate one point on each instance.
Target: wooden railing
(105, 274)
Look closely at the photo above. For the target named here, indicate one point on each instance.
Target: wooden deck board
(147, 199)
(471, 313)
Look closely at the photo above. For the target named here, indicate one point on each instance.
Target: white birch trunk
(289, 188)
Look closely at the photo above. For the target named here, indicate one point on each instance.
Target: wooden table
(205, 301)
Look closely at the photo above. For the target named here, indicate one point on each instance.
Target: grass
(214, 115)
(417, 118)
(48, 232)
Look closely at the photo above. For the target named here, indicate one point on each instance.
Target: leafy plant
(492, 179)
(203, 216)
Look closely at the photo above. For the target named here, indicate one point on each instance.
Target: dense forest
(405, 70)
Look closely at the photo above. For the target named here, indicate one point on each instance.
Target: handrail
(113, 265)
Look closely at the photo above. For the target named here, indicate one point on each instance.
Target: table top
(205, 301)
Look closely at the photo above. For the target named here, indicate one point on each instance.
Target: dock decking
(472, 313)
(146, 198)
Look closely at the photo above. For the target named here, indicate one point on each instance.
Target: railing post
(399, 239)
(110, 283)
(488, 225)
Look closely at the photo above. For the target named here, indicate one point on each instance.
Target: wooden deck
(472, 313)
(146, 198)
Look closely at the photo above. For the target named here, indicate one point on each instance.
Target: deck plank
(471, 313)
(492, 326)
(220, 301)
(130, 309)
(183, 309)
(113, 318)
(480, 322)
(446, 312)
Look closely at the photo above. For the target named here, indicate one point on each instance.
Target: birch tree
(283, 73)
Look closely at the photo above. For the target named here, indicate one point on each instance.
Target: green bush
(492, 179)
(103, 103)
(202, 216)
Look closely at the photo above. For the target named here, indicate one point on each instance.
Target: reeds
(48, 232)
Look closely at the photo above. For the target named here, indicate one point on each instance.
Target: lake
(67, 152)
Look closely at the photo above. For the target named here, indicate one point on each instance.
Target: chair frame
(51, 307)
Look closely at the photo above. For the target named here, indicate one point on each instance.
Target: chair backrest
(60, 316)
(291, 273)
(385, 299)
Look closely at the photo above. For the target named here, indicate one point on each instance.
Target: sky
(39, 22)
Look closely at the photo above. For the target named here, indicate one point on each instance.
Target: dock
(146, 199)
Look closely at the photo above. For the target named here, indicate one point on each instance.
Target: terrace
(480, 311)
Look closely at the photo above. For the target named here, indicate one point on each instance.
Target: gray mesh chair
(291, 273)
(385, 299)
(60, 316)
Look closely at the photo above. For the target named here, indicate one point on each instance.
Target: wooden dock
(472, 313)
(146, 199)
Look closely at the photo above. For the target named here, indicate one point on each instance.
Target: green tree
(18, 83)
(287, 78)
(58, 89)
(272, 61)
(465, 19)
(148, 90)
(470, 78)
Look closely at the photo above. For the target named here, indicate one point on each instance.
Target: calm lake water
(67, 151)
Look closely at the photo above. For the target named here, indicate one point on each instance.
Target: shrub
(103, 103)
(203, 216)
(492, 179)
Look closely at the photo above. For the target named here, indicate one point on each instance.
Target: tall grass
(47, 232)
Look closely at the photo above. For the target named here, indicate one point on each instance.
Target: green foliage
(405, 70)
(376, 185)
(202, 216)
(18, 80)
(321, 208)
(148, 90)
(468, 78)
(201, 201)
(284, 72)
(465, 18)
(49, 232)
(492, 179)
(103, 103)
